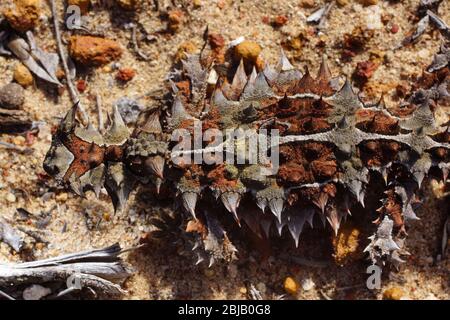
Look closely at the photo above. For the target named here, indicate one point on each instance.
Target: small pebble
(307, 3)
(209, 273)
(394, 28)
(373, 18)
(290, 286)
(248, 50)
(106, 216)
(81, 85)
(11, 96)
(107, 69)
(261, 286)
(129, 4)
(10, 197)
(175, 19)
(35, 292)
(22, 75)
(307, 284)
(62, 197)
(125, 74)
(368, 2)
(394, 293)
(342, 3)
(243, 290)
(279, 21)
(216, 40)
(19, 140)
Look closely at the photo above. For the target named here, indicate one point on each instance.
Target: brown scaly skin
(331, 144)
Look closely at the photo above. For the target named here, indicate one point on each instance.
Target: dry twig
(72, 90)
(98, 269)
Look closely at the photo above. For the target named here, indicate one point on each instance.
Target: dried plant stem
(12, 146)
(101, 123)
(5, 295)
(72, 90)
(135, 43)
(99, 269)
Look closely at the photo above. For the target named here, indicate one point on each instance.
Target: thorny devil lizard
(332, 148)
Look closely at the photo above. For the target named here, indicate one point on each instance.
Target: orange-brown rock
(129, 4)
(82, 4)
(175, 20)
(125, 74)
(93, 51)
(24, 15)
(247, 50)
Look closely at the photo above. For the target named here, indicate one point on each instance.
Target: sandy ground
(164, 271)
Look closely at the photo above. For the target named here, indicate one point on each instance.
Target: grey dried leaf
(3, 37)
(420, 29)
(49, 61)
(319, 16)
(426, 5)
(42, 64)
(10, 236)
(254, 293)
(439, 23)
(316, 15)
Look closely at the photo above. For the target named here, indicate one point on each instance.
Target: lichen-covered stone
(11, 96)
